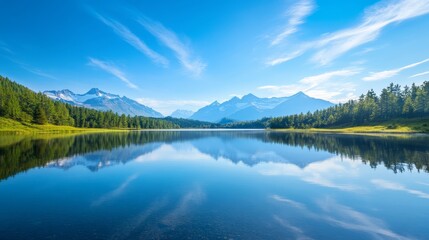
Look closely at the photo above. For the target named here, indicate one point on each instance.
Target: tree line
(22, 104)
(393, 102)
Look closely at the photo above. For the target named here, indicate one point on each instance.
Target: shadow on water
(398, 153)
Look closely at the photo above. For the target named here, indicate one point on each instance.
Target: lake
(214, 185)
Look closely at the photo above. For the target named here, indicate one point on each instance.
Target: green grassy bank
(400, 125)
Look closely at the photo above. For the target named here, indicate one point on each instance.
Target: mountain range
(251, 107)
(97, 99)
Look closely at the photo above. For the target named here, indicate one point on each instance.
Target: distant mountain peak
(233, 100)
(66, 91)
(215, 103)
(300, 93)
(93, 91)
(249, 97)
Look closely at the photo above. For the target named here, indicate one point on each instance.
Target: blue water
(215, 185)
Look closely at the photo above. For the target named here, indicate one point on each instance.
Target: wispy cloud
(419, 74)
(375, 19)
(398, 187)
(190, 200)
(319, 86)
(316, 80)
(38, 72)
(296, 15)
(423, 183)
(129, 226)
(32, 69)
(350, 219)
(169, 38)
(166, 107)
(285, 58)
(5, 48)
(298, 232)
(288, 201)
(375, 76)
(116, 192)
(132, 39)
(110, 68)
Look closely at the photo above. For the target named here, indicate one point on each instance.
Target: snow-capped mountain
(97, 99)
(180, 113)
(251, 107)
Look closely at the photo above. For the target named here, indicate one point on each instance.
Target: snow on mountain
(251, 107)
(97, 99)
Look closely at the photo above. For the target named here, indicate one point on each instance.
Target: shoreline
(12, 127)
(352, 130)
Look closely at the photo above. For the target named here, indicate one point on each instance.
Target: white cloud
(166, 107)
(419, 74)
(297, 13)
(189, 201)
(393, 72)
(132, 39)
(168, 38)
(398, 187)
(285, 58)
(330, 173)
(116, 192)
(110, 68)
(170, 153)
(321, 78)
(32, 69)
(319, 86)
(376, 17)
(345, 217)
(350, 219)
(38, 72)
(288, 201)
(298, 232)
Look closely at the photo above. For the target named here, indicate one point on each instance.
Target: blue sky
(186, 54)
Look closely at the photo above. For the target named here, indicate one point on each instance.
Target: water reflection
(97, 151)
(214, 185)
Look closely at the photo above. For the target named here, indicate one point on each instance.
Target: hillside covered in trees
(22, 104)
(393, 102)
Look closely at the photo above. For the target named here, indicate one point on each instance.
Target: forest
(393, 102)
(22, 104)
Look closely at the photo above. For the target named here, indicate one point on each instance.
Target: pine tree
(40, 115)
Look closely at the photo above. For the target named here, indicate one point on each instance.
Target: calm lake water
(214, 185)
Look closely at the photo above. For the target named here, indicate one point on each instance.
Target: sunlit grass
(14, 127)
(413, 125)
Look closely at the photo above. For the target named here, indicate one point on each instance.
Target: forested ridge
(393, 102)
(22, 104)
